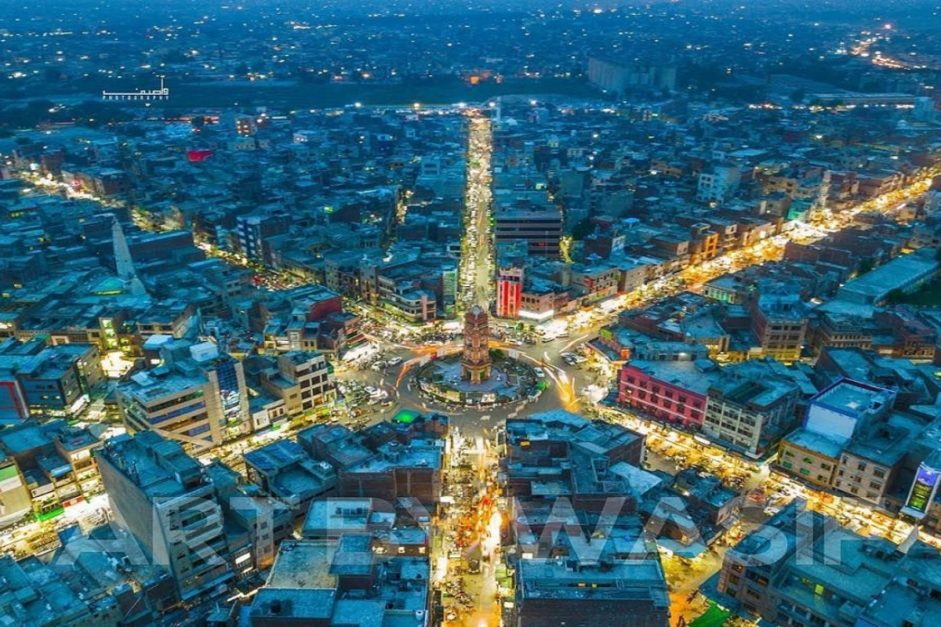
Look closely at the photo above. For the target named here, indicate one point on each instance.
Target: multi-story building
(195, 395)
(283, 470)
(779, 323)
(563, 470)
(404, 290)
(343, 581)
(37, 594)
(869, 463)
(596, 282)
(253, 231)
(45, 380)
(55, 461)
(748, 410)
(396, 471)
(304, 380)
(554, 591)
(803, 569)
(509, 292)
(834, 416)
(540, 226)
(185, 408)
(673, 392)
(166, 500)
(14, 493)
(718, 184)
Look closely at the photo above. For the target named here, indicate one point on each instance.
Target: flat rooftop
(852, 398)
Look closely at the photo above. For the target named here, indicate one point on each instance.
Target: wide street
(476, 266)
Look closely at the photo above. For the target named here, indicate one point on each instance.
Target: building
(177, 406)
(35, 594)
(283, 470)
(337, 516)
(195, 394)
(905, 273)
(835, 416)
(14, 493)
(673, 392)
(718, 183)
(779, 324)
(749, 411)
(253, 231)
(624, 77)
(295, 382)
(305, 381)
(166, 500)
(802, 568)
(55, 462)
(552, 592)
(475, 359)
(564, 474)
(342, 581)
(509, 292)
(48, 381)
(540, 226)
(398, 470)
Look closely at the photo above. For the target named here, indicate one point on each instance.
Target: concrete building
(803, 569)
(779, 323)
(302, 381)
(185, 408)
(509, 292)
(905, 273)
(750, 411)
(540, 226)
(836, 415)
(718, 183)
(283, 470)
(342, 581)
(14, 493)
(553, 592)
(49, 381)
(165, 499)
(673, 392)
(563, 471)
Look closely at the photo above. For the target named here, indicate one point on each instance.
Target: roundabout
(478, 376)
(510, 381)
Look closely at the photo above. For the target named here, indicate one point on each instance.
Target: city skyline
(470, 313)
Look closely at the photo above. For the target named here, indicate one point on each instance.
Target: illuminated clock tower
(475, 361)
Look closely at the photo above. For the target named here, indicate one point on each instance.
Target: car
(540, 372)
(394, 361)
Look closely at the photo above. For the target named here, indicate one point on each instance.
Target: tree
(583, 229)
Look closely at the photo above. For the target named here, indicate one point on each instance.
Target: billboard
(922, 491)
